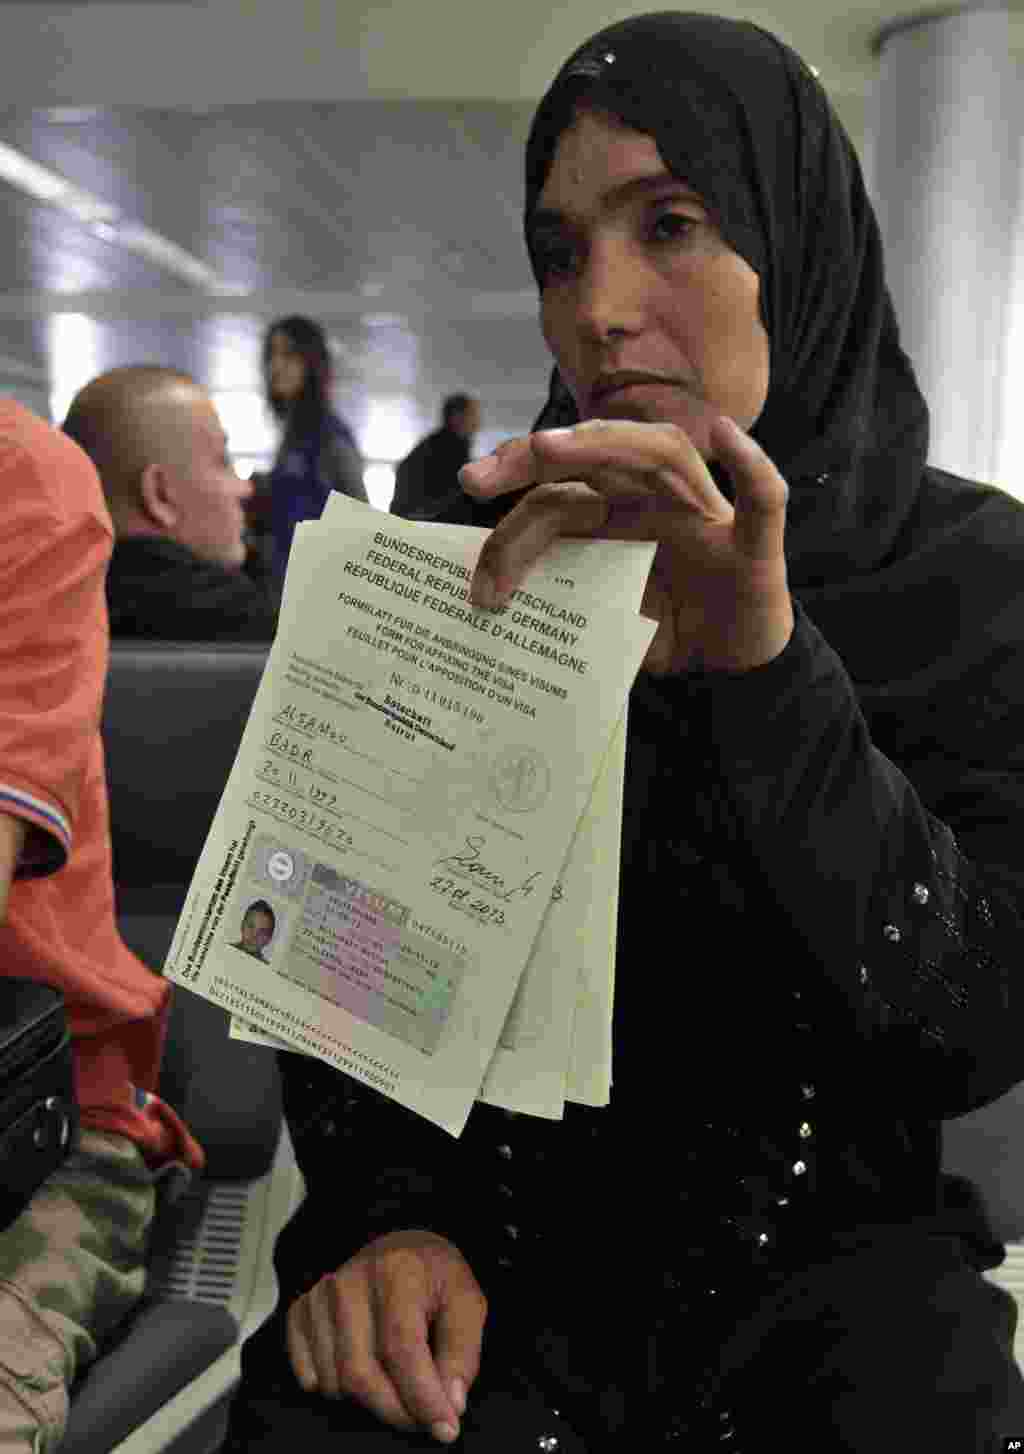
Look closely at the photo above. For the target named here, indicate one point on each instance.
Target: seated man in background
(177, 505)
(427, 480)
(72, 1264)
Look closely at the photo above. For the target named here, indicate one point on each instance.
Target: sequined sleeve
(918, 938)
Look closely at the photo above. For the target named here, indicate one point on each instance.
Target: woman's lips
(630, 388)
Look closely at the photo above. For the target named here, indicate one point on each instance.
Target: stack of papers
(413, 871)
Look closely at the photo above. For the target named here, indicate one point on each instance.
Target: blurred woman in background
(318, 452)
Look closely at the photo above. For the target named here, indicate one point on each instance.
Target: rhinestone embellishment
(921, 893)
(892, 933)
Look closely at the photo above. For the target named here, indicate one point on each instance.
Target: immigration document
(530, 1066)
(589, 1080)
(402, 802)
(571, 967)
(573, 960)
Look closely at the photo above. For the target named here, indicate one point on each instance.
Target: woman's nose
(608, 294)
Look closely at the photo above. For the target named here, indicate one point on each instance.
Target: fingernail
(447, 1433)
(479, 468)
(457, 1394)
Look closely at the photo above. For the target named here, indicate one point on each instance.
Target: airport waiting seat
(987, 1148)
(173, 718)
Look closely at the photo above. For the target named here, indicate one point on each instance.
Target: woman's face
(622, 244)
(286, 368)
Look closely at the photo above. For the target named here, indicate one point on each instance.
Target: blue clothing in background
(305, 472)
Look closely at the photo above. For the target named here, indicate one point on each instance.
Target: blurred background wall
(174, 174)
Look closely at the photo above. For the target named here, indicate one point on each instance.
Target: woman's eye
(560, 259)
(677, 226)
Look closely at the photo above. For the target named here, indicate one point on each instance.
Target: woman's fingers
(300, 1346)
(343, 1346)
(618, 458)
(312, 1341)
(553, 511)
(508, 468)
(513, 546)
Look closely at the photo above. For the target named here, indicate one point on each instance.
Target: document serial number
(302, 818)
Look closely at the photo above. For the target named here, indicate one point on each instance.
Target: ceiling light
(29, 176)
(165, 253)
(233, 290)
(72, 115)
(46, 186)
(105, 219)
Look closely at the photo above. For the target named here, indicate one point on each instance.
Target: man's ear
(157, 497)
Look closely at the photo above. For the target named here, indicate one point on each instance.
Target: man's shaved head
(125, 420)
(161, 452)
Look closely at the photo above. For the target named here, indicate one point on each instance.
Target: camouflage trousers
(72, 1266)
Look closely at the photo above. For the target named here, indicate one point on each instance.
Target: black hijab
(914, 576)
(740, 117)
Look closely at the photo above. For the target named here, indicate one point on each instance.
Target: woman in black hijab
(822, 858)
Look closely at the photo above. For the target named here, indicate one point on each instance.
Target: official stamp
(521, 779)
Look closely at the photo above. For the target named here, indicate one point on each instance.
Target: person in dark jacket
(176, 572)
(318, 452)
(427, 480)
(821, 908)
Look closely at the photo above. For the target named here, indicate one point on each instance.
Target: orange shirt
(56, 538)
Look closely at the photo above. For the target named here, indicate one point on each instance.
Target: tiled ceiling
(325, 158)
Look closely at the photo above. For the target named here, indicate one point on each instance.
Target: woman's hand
(717, 586)
(393, 1328)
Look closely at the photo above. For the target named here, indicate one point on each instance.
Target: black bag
(38, 1109)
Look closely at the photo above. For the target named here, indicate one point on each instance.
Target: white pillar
(947, 113)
